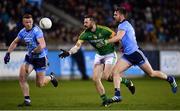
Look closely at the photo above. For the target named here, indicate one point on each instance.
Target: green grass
(150, 94)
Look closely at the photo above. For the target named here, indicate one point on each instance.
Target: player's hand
(32, 55)
(7, 58)
(64, 54)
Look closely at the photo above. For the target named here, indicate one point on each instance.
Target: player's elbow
(152, 74)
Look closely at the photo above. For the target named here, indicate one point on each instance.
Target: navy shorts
(39, 64)
(136, 58)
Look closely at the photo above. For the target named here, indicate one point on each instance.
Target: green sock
(104, 97)
(125, 81)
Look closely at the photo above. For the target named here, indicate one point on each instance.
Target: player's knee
(94, 78)
(152, 74)
(116, 73)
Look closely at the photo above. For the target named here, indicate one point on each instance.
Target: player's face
(88, 23)
(28, 23)
(117, 16)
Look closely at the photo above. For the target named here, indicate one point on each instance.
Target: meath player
(105, 58)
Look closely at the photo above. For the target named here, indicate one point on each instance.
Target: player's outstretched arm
(73, 50)
(10, 49)
(13, 45)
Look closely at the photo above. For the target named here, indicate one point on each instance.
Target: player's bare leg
(42, 80)
(118, 69)
(107, 71)
(25, 70)
(146, 67)
(97, 75)
(108, 76)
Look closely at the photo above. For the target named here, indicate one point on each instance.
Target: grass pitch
(151, 94)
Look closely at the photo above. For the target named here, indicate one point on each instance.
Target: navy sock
(26, 97)
(117, 92)
(170, 79)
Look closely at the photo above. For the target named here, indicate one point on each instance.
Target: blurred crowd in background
(155, 21)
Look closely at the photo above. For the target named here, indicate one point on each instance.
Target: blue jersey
(30, 37)
(128, 41)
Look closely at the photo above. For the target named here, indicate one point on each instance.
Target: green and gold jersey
(96, 39)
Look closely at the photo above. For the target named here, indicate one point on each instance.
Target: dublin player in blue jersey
(35, 59)
(132, 54)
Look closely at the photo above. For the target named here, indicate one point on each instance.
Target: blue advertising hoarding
(63, 67)
(54, 63)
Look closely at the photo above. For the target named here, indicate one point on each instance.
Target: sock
(27, 99)
(104, 97)
(170, 79)
(125, 81)
(117, 92)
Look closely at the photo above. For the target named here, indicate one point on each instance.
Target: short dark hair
(92, 18)
(122, 10)
(27, 15)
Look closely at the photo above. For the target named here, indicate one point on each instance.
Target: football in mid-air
(45, 23)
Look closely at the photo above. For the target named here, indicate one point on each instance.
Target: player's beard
(88, 28)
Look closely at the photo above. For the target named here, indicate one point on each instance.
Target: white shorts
(106, 59)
